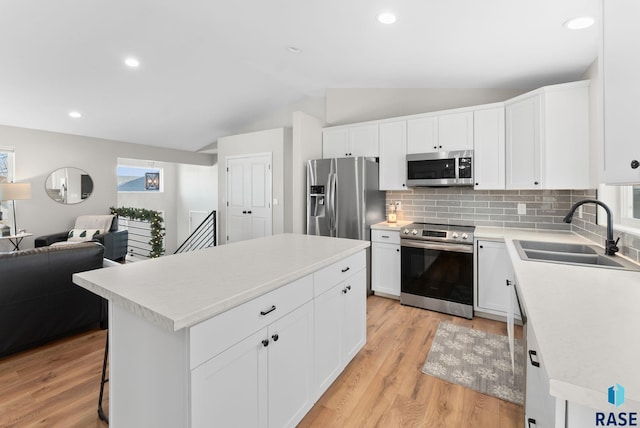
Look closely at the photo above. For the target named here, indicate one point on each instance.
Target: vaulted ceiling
(208, 67)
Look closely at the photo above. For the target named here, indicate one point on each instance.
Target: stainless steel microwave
(453, 168)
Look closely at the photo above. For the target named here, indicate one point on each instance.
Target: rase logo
(615, 397)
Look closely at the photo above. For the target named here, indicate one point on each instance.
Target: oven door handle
(440, 246)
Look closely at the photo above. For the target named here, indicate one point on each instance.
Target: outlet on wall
(580, 211)
(398, 205)
(522, 208)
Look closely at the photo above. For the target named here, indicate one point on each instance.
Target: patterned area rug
(477, 360)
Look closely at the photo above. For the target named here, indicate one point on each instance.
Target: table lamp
(14, 192)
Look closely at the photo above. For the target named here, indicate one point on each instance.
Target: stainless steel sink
(562, 247)
(568, 253)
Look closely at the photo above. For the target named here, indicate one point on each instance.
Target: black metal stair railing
(203, 237)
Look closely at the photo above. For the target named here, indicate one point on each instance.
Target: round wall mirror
(69, 185)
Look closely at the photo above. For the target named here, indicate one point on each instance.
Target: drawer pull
(533, 363)
(275, 337)
(385, 236)
(265, 342)
(268, 311)
(531, 421)
(345, 269)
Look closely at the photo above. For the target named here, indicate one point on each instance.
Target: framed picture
(152, 181)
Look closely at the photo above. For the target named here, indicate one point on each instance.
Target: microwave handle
(457, 167)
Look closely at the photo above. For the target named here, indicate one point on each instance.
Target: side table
(16, 239)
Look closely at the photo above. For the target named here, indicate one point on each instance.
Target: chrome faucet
(610, 246)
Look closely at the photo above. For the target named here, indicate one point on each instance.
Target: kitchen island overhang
(174, 319)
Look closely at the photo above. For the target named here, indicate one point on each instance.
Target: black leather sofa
(114, 241)
(38, 300)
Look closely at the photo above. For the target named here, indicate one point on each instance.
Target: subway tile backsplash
(545, 210)
(463, 205)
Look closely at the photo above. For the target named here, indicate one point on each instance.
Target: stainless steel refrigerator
(343, 197)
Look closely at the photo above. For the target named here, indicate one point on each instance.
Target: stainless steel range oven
(437, 268)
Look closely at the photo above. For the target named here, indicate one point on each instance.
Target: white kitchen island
(246, 334)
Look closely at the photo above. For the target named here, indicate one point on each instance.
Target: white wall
(197, 191)
(273, 141)
(283, 117)
(38, 153)
(307, 144)
(344, 106)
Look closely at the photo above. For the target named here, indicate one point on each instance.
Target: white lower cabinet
(493, 270)
(339, 328)
(385, 262)
(231, 388)
(542, 410)
(263, 381)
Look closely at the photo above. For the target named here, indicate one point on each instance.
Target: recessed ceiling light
(294, 49)
(386, 18)
(580, 23)
(132, 62)
(75, 114)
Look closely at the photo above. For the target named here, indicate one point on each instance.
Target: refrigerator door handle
(329, 205)
(334, 208)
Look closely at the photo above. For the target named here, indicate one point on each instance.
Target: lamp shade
(15, 191)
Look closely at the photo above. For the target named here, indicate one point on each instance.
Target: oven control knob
(454, 235)
(414, 232)
(465, 236)
(406, 231)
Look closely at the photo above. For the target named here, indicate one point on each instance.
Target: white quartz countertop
(181, 290)
(391, 226)
(586, 321)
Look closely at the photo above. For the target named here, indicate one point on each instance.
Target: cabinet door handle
(481, 246)
(508, 282)
(268, 311)
(244, 212)
(265, 342)
(535, 182)
(635, 164)
(346, 289)
(275, 337)
(248, 212)
(345, 269)
(398, 249)
(533, 363)
(531, 421)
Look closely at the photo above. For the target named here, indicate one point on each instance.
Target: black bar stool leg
(101, 414)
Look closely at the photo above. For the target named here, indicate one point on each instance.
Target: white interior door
(249, 190)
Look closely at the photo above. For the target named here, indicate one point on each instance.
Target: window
(139, 179)
(630, 206)
(6, 176)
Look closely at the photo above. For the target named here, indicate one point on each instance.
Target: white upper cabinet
(488, 148)
(422, 135)
(620, 70)
(446, 132)
(455, 131)
(357, 140)
(523, 144)
(335, 143)
(393, 155)
(547, 138)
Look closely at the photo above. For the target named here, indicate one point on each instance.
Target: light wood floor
(57, 385)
